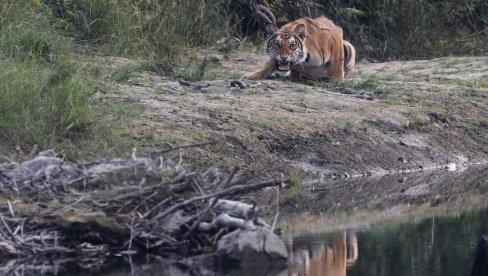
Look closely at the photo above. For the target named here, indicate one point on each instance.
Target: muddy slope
(395, 116)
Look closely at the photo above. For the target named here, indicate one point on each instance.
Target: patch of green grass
(418, 118)
(124, 73)
(54, 108)
(349, 127)
(47, 92)
(26, 33)
(295, 179)
(371, 83)
(473, 83)
(41, 106)
(418, 67)
(450, 62)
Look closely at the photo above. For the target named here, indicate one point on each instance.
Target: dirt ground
(393, 117)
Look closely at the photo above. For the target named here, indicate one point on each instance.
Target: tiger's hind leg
(334, 68)
(349, 58)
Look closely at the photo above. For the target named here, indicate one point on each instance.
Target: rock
(451, 167)
(251, 247)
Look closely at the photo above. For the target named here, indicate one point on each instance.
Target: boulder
(259, 246)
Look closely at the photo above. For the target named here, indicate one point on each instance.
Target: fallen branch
(226, 192)
(119, 206)
(224, 220)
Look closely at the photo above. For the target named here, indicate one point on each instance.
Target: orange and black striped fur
(306, 47)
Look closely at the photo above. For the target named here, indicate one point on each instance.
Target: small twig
(180, 160)
(229, 191)
(10, 208)
(184, 147)
(231, 176)
(197, 186)
(9, 231)
(277, 208)
(131, 233)
(67, 207)
(200, 218)
(144, 201)
(156, 206)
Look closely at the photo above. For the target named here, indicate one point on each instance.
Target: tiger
(310, 48)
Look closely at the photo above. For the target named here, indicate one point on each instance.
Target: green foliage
(166, 31)
(26, 33)
(161, 32)
(295, 178)
(87, 19)
(371, 84)
(43, 99)
(395, 28)
(46, 91)
(43, 105)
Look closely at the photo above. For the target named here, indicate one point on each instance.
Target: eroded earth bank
(392, 117)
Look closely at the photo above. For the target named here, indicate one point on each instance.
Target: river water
(437, 245)
(441, 242)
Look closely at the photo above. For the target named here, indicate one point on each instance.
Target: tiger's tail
(349, 58)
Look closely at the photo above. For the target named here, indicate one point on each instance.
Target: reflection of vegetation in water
(436, 246)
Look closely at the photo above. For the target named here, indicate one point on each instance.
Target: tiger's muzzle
(284, 65)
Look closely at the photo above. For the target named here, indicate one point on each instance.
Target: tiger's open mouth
(284, 65)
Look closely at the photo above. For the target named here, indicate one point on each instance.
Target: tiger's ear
(300, 30)
(271, 29)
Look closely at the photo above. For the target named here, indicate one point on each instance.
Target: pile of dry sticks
(147, 204)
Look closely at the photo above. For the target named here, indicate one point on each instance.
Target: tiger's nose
(283, 57)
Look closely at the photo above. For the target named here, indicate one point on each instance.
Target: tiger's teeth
(284, 66)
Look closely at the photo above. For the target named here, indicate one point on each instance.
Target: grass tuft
(43, 105)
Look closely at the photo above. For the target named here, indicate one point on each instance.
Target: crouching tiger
(311, 48)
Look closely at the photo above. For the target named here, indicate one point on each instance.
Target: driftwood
(149, 204)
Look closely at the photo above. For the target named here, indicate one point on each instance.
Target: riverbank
(389, 117)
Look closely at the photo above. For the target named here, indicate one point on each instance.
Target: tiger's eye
(277, 44)
(293, 45)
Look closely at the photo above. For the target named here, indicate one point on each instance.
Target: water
(440, 245)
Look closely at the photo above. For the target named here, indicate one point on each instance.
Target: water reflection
(331, 256)
(443, 245)
(440, 245)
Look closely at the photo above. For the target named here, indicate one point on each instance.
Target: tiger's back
(307, 47)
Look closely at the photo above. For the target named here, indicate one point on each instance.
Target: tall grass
(44, 93)
(43, 105)
(164, 33)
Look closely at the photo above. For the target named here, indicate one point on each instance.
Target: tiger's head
(286, 47)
